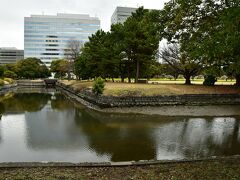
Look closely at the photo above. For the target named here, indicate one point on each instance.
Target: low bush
(98, 86)
(9, 80)
(209, 80)
(10, 74)
(1, 82)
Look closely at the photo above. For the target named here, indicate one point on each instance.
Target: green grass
(178, 81)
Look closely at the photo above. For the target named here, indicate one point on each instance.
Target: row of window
(61, 28)
(41, 49)
(37, 31)
(40, 56)
(43, 40)
(60, 23)
(60, 37)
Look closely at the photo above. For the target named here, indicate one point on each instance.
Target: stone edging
(110, 164)
(137, 101)
(4, 89)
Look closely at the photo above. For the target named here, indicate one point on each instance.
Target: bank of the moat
(215, 169)
(168, 105)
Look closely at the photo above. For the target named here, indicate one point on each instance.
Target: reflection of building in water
(53, 129)
(55, 126)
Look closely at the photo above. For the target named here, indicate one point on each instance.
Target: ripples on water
(49, 127)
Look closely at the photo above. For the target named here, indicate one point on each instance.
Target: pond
(47, 126)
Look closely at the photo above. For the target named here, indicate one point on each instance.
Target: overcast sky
(12, 13)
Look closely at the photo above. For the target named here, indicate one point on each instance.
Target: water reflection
(30, 102)
(49, 127)
(122, 140)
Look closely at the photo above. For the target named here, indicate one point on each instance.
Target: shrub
(1, 82)
(209, 80)
(98, 86)
(10, 74)
(9, 80)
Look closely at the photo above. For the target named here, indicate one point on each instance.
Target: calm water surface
(49, 127)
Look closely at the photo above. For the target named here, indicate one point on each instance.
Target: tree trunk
(238, 80)
(129, 76)
(112, 79)
(187, 79)
(137, 72)
(129, 79)
(122, 79)
(69, 76)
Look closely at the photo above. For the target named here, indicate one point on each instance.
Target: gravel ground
(216, 169)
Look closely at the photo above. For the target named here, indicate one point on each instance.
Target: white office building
(121, 14)
(47, 36)
(10, 55)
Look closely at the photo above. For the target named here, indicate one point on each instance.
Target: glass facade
(47, 37)
(121, 14)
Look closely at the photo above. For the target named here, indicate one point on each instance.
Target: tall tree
(72, 52)
(140, 40)
(180, 62)
(207, 30)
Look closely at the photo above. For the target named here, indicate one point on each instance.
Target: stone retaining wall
(138, 101)
(6, 88)
(31, 83)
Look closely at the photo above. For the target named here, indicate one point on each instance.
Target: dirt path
(216, 169)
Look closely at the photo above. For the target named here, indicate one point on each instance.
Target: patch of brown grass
(78, 85)
(126, 89)
(122, 89)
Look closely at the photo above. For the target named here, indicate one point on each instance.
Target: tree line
(202, 37)
(29, 68)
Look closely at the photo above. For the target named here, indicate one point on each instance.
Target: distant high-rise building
(121, 14)
(10, 55)
(47, 36)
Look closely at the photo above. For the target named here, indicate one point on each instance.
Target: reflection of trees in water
(121, 136)
(199, 137)
(22, 102)
(135, 137)
(229, 141)
(60, 102)
(116, 138)
(2, 109)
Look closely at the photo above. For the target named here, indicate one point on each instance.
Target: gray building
(121, 14)
(10, 55)
(47, 36)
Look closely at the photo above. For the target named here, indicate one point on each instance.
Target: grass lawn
(123, 89)
(78, 84)
(216, 169)
(180, 81)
